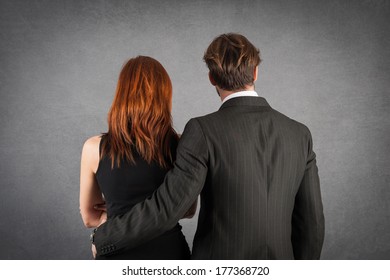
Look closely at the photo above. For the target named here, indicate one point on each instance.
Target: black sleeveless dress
(126, 186)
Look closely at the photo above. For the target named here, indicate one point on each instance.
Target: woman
(125, 165)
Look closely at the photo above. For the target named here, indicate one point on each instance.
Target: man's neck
(225, 93)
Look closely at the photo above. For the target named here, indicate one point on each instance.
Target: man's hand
(103, 219)
(94, 252)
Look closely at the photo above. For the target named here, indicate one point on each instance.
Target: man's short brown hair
(232, 59)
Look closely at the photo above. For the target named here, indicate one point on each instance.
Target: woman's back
(130, 184)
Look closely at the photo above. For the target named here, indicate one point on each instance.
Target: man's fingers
(93, 251)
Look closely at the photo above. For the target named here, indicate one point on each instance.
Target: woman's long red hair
(140, 115)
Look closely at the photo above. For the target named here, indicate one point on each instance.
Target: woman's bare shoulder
(90, 153)
(91, 146)
(92, 142)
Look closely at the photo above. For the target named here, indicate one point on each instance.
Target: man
(254, 168)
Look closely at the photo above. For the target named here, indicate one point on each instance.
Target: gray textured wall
(326, 64)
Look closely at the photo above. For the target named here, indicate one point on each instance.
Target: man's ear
(255, 72)
(212, 80)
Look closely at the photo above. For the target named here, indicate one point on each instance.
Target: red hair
(140, 115)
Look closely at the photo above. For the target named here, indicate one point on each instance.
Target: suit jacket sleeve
(308, 218)
(168, 204)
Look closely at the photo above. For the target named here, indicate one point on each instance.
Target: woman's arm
(90, 194)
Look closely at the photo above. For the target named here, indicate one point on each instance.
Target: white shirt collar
(240, 94)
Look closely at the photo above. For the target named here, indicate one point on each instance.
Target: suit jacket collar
(245, 101)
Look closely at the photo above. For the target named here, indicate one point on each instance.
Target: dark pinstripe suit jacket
(260, 195)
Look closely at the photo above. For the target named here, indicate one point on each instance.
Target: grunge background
(325, 63)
